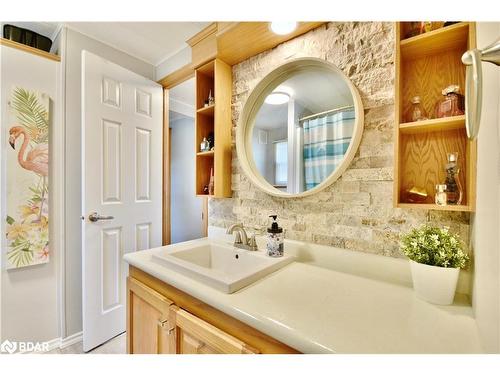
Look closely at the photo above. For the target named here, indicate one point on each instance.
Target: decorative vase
(434, 284)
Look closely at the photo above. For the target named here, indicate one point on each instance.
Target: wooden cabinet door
(195, 336)
(148, 326)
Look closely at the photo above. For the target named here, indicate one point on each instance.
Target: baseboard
(48, 346)
(70, 340)
(54, 344)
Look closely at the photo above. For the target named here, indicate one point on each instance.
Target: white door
(122, 185)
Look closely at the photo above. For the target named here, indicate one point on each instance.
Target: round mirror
(299, 128)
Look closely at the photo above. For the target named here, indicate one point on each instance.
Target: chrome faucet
(241, 239)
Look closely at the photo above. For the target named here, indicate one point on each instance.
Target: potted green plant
(436, 257)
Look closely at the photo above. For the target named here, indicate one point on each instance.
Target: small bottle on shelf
(211, 99)
(441, 195)
(453, 103)
(416, 112)
(452, 182)
(414, 29)
(204, 145)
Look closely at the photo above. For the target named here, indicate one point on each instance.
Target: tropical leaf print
(27, 229)
(31, 114)
(21, 253)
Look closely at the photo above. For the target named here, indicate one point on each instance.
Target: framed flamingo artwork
(27, 179)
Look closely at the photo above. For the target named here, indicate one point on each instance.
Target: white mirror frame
(254, 102)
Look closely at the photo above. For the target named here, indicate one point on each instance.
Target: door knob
(94, 216)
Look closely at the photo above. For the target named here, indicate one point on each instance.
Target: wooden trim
(33, 51)
(209, 334)
(238, 41)
(207, 31)
(256, 339)
(432, 206)
(397, 111)
(222, 128)
(177, 77)
(166, 170)
(149, 295)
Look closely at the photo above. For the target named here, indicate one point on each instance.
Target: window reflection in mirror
(303, 129)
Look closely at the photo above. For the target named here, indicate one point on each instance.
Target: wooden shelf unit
(32, 50)
(214, 76)
(426, 64)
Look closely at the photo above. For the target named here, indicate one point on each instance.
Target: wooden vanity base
(163, 319)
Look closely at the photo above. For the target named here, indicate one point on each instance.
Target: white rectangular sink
(217, 264)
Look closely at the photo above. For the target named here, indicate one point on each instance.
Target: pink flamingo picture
(36, 160)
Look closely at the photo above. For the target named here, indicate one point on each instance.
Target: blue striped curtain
(326, 140)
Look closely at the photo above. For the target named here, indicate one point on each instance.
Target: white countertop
(322, 310)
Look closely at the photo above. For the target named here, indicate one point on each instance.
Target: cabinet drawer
(195, 336)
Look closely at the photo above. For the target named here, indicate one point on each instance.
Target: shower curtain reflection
(326, 140)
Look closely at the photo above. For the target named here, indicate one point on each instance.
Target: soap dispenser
(275, 239)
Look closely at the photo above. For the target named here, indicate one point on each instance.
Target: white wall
(29, 296)
(71, 51)
(186, 208)
(486, 221)
(173, 63)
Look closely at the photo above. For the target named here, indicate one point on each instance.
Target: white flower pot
(434, 284)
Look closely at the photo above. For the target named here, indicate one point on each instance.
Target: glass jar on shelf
(414, 29)
(440, 197)
(417, 111)
(453, 187)
(453, 103)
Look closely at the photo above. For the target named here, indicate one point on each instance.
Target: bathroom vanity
(327, 300)
(163, 319)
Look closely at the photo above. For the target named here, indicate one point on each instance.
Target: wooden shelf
(207, 111)
(439, 124)
(205, 195)
(444, 38)
(216, 77)
(25, 48)
(429, 206)
(425, 65)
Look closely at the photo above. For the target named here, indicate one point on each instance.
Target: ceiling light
(284, 89)
(277, 98)
(283, 28)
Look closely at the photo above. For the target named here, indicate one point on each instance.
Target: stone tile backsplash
(356, 212)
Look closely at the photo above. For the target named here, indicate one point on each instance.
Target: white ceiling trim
(154, 43)
(114, 47)
(170, 55)
(181, 107)
(56, 32)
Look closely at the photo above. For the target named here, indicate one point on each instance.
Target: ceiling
(152, 42)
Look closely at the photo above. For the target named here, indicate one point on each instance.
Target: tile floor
(116, 345)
